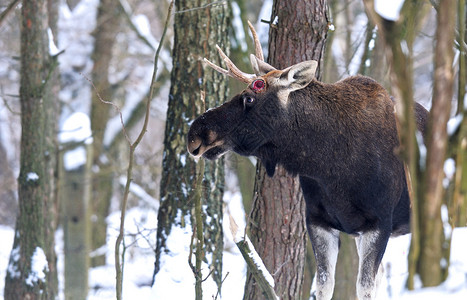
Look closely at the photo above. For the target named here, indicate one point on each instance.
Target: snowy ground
(140, 263)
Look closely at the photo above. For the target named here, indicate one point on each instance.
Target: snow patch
(73, 159)
(13, 265)
(39, 266)
(454, 124)
(53, 50)
(32, 176)
(389, 10)
(77, 129)
(180, 284)
(275, 21)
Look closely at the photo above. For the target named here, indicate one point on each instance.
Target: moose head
(250, 120)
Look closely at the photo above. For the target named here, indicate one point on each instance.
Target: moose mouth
(213, 151)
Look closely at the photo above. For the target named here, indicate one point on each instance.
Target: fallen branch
(255, 265)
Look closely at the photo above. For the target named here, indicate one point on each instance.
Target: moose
(341, 140)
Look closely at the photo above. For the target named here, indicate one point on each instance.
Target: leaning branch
(255, 264)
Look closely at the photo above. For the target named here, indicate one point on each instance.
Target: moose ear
(300, 75)
(260, 67)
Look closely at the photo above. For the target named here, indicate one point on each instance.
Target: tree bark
(32, 272)
(277, 220)
(194, 87)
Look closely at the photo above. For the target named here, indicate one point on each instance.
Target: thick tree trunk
(108, 19)
(32, 272)
(277, 220)
(194, 87)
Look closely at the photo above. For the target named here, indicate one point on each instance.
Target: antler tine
(232, 70)
(258, 49)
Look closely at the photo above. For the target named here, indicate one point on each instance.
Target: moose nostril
(196, 151)
(194, 146)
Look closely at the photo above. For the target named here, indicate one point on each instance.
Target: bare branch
(8, 10)
(109, 103)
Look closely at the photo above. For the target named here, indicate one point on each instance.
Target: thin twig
(117, 108)
(222, 282)
(9, 107)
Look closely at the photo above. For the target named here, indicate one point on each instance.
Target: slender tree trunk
(277, 220)
(52, 106)
(31, 268)
(394, 34)
(75, 220)
(194, 87)
(460, 190)
(431, 227)
(108, 20)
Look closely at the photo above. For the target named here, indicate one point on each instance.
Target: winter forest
(100, 199)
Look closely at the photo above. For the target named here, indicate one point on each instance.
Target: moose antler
(232, 70)
(258, 49)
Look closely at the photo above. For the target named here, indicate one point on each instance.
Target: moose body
(340, 139)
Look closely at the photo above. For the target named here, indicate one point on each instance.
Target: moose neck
(313, 133)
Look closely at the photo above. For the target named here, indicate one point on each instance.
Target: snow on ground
(139, 263)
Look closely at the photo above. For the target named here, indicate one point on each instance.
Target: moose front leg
(325, 244)
(370, 247)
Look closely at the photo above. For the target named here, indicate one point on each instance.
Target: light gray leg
(370, 247)
(325, 244)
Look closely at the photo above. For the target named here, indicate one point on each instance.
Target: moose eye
(248, 100)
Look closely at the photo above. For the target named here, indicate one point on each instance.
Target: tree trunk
(107, 27)
(52, 107)
(277, 221)
(75, 199)
(32, 272)
(194, 87)
(431, 227)
(459, 211)
(394, 34)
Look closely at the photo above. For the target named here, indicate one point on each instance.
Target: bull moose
(340, 139)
